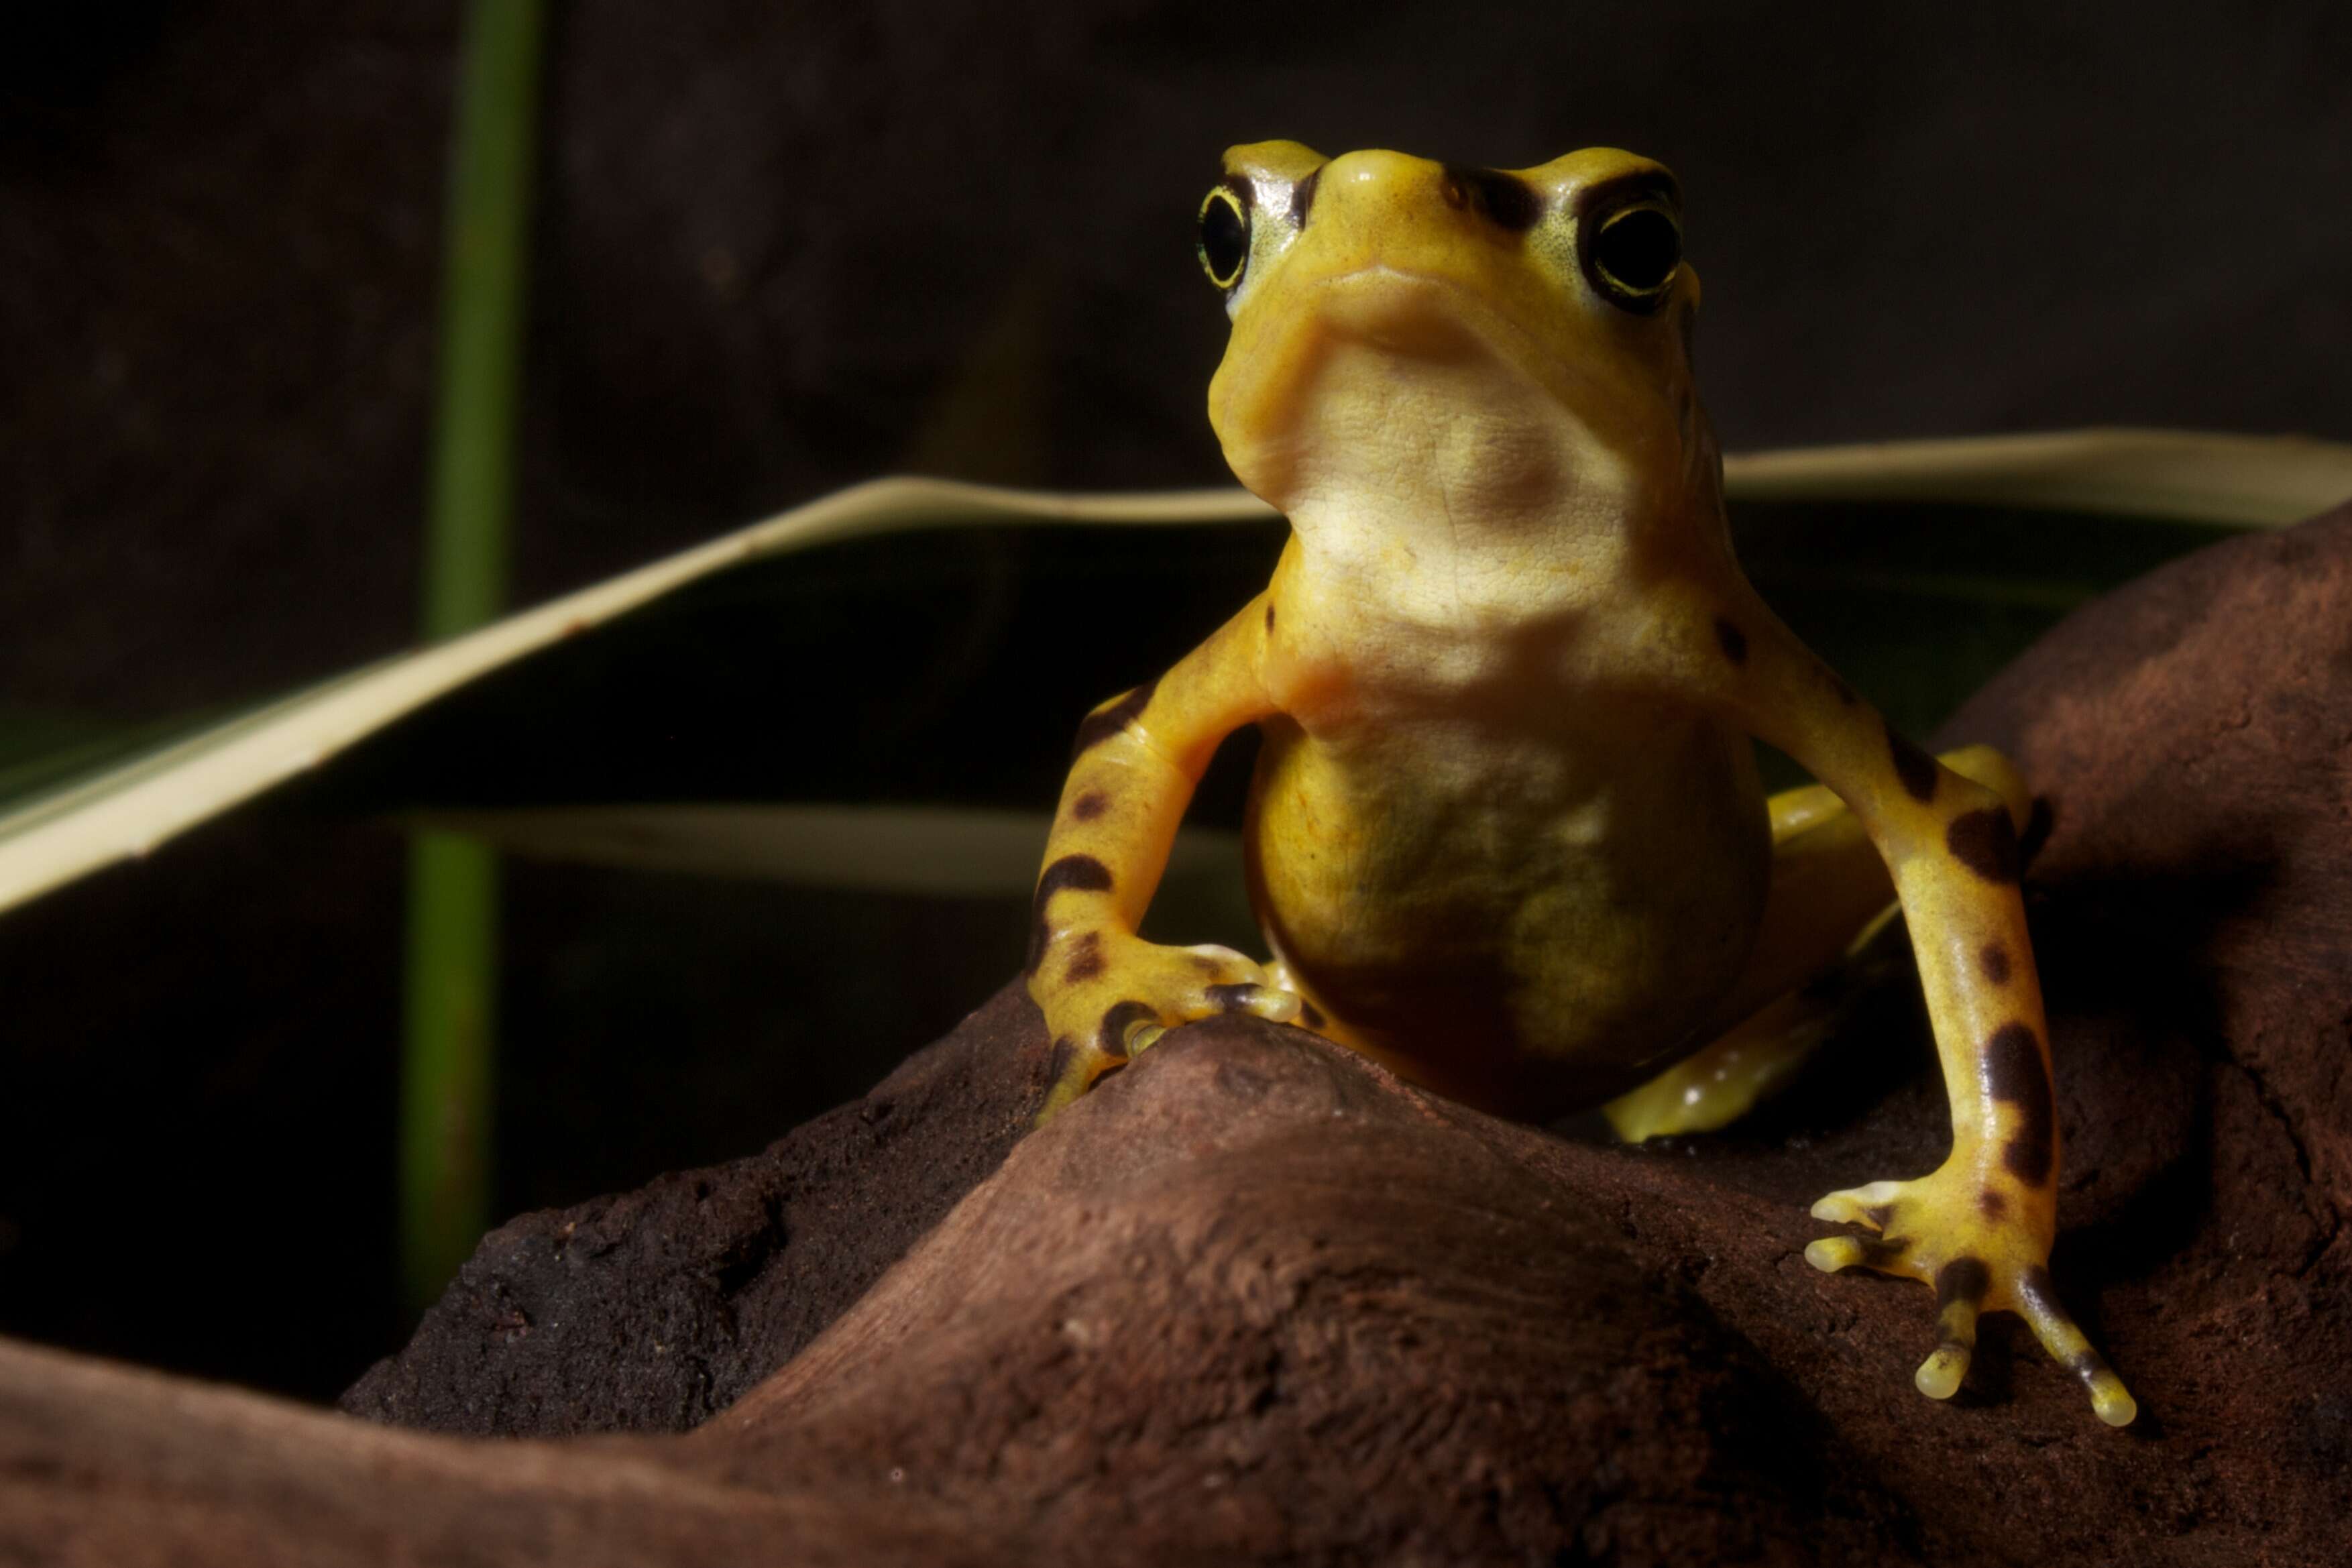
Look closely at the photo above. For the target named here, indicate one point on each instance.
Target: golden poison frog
(1506, 834)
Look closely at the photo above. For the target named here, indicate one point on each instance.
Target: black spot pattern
(1233, 998)
(1985, 843)
(2036, 1294)
(1734, 640)
(1915, 767)
(2014, 1074)
(1994, 962)
(1086, 960)
(1302, 198)
(1992, 1205)
(1101, 726)
(1962, 1279)
(1504, 200)
(2039, 821)
(1111, 1038)
(1886, 1254)
(1089, 805)
(1083, 873)
(2090, 1366)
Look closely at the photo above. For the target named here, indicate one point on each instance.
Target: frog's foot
(1967, 1240)
(1719, 1083)
(1111, 998)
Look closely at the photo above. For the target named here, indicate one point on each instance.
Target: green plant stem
(448, 1072)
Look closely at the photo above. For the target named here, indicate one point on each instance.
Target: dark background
(782, 246)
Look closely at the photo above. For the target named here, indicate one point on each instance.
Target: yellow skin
(1507, 835)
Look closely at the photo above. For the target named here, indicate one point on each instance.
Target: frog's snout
(1374, 193)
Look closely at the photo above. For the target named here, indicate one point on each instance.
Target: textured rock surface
(651, 1309)
(1254, 1300)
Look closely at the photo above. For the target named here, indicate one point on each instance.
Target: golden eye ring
(1221, 241)
(1634, 254)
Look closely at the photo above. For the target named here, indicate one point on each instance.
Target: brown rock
(650, 1311)
(1254, 1300)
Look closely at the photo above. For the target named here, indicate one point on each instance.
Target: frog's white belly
(1528, 909)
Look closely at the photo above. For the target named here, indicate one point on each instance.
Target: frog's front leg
(1106, 993)
(1979, 1229)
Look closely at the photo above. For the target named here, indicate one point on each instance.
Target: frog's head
(1519, 339)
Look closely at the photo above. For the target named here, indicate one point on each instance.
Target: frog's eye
(1224, 244)
(1634, 254)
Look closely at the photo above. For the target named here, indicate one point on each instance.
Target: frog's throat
(1388, 388)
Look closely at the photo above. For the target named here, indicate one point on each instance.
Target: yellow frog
(1506, 834)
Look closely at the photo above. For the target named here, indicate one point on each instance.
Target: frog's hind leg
(1831, 900)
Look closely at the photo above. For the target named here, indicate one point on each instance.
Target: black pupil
(1225, 240)
(1641, 249)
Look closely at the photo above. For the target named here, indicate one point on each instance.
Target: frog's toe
(2037, 1302)
(1859, 1206)
(1959, 1297)
(1237, 984)
(1832, 1253)
(1979, 1256)
(1112, 999)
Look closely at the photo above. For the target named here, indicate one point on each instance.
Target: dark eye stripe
(1504, 200)
(1302, 199)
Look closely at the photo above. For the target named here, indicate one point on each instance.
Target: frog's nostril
(1504, 200)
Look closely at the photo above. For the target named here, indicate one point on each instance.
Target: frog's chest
(1564, 880)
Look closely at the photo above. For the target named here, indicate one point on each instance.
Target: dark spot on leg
(2027, 1155)
(1111, 1038)
(1234, 998)
(1086, 960)
(1889, 1253)
(1083, 873)
(1207, 965)
(1992, 1205)
(1309, 1015)
(1879, 1214)
(1915, 767)
(2035, 1293)
(1962, 1279)
(2013, 1065)
(1302, 198)
(2014, 1074)
(1089, 805)
(1994, 962)
(1734, 640)
(1985, 843)
(2039, 820)
(2090, 1366)
(1101, 726)
(1504, 200)
(1269, 617)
